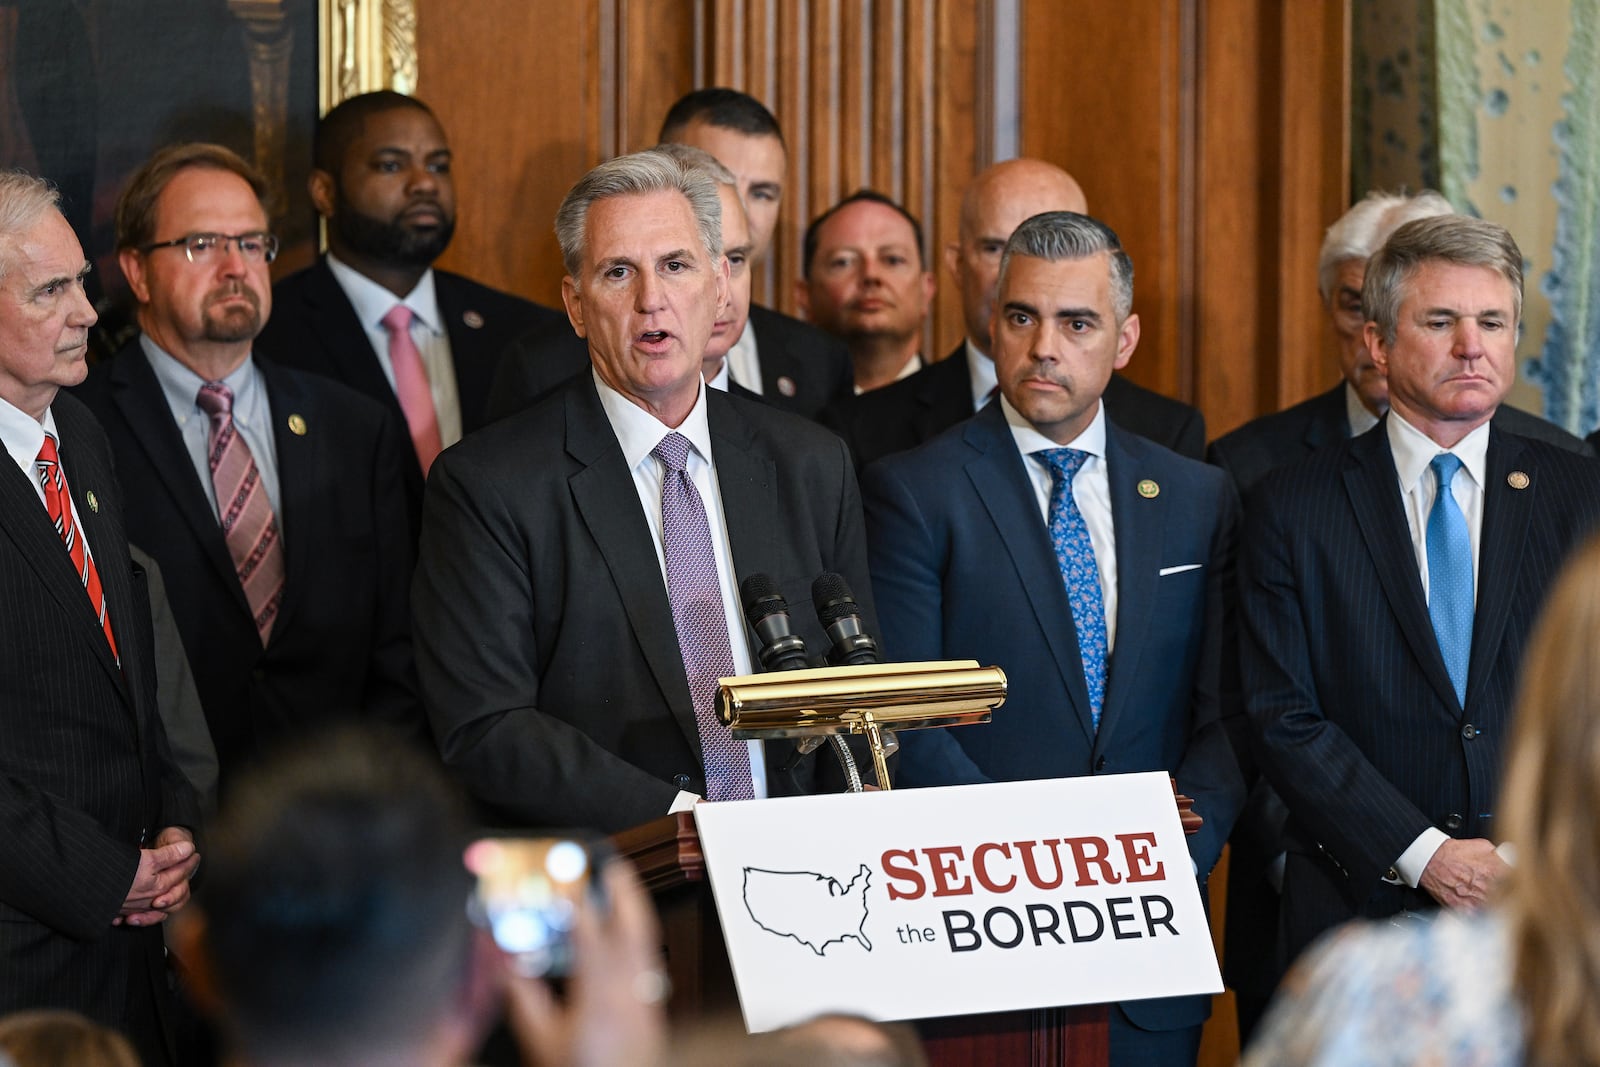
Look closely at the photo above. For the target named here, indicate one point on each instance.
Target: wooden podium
(667, 854)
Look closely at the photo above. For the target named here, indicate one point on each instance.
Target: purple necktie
(699, 618)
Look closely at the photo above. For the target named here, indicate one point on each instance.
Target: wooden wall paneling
(657, 43)
(1236, 213)
(493, 79)
(958, 141)
(1101, 94)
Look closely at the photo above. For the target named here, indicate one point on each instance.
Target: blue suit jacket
(1360, 729)
(963, 568)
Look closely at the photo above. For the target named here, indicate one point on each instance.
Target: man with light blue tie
(1388, 584)
(1092, 565)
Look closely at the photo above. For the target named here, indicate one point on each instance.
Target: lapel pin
(473, 319)
(786, 385)
(297, 425)
(1148, 489)
(94, 501)
(1517, 480)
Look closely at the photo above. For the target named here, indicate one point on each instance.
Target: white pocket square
(1179, 569)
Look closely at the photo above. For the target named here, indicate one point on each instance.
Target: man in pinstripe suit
(1388, 585)
(94, 814)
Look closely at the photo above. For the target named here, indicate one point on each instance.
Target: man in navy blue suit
(1101, 592)
(1388, 585)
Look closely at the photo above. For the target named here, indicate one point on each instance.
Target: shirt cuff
(1414, 860)
(684, 801)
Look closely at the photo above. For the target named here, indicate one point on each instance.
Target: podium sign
(927, 902)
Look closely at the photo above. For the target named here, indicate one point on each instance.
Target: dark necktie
(1450, 575)
(58, 504)
(248, 525)
(1079, 571)
(698, 616)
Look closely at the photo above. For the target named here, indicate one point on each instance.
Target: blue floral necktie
(1079, 571)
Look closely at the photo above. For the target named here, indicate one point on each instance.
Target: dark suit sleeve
(65, 870)
(1209, 771)
(480, 669)
(391, 694)
(1333, 790)
(907, 577)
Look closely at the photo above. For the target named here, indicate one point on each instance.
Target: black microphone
(841, 619)
(768, 614)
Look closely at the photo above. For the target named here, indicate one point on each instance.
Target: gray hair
(1361, 231)
(698, 157)
(1058, 235)
(24, 199)
(637, 175)
(1457, 239)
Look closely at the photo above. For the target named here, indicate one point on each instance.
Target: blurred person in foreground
(360, 950)
(1514, 982)
(57, 1038)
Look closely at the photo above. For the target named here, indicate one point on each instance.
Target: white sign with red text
(925, 902)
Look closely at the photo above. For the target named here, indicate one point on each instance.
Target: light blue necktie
(1075, 556)
(1450, 575)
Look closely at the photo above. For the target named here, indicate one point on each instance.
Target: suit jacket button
(1100, 764)
(1470, 731)
(681, 781)
(1452, 821)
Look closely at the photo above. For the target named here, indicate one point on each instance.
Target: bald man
(909, 412)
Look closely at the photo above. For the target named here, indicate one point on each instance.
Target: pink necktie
(411, 386)
(248, 525)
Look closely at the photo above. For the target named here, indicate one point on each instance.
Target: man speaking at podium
(577, 591)
(1089, 563)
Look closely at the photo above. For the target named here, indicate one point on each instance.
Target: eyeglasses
(208, 247)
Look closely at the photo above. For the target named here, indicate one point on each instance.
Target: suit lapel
(1374, 491)
(1138, 524)
(344, 340)
(945, 397)
(138, 397)
(1328, 424)
(301, 457)
(1507, 513)
(474, 375)
(1001, 483)
(748, 482)
(607, 502)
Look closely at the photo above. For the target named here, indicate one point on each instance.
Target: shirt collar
(719, 380)
(372, 301)
(639, 432)
(181, 385)
(23, 435)
(1414, 451)
(1029, 440)
(981, 373)
(1355, 412)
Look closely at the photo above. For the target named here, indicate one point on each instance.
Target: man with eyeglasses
(374, 313)
(272, 499)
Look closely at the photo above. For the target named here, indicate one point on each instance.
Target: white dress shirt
(912, 365)
(23, 435)
(744, 360)
(982, 374)
(1413, 453)
(252, 419)
(1091, 489)
(639, 432)
(372, 302)
(719, 380)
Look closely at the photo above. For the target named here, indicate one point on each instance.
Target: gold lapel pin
(1148, 489)
(297, 425)
(472, 319)
(94, 501)
(1517, 480)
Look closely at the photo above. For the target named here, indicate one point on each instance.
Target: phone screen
(528, 894)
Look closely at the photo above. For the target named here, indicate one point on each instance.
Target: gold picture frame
(363, 45)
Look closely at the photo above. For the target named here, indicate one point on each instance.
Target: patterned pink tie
(248, 524)
(698, 616)
(411, 386)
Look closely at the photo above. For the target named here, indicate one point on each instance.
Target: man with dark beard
(373, 313)
(270, 498)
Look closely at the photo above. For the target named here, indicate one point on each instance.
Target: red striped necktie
(248, 525)
(58, 503)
